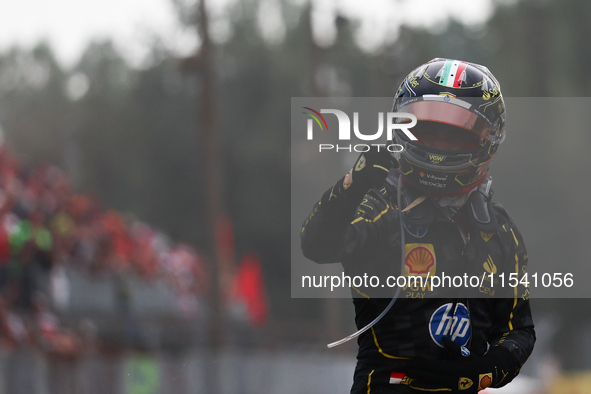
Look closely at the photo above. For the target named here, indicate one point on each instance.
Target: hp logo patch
(455, 326)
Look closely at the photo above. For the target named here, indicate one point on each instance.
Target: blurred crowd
(47, 229)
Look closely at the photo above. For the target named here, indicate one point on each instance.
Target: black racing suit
(367, 242)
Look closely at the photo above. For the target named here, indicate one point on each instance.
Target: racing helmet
(453, 97)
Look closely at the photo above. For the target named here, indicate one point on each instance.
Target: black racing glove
(464, 373)
(370, 170)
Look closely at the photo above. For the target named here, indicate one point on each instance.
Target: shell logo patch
(419, 260)
(484, 380)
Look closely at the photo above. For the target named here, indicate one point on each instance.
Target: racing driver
(427, 212)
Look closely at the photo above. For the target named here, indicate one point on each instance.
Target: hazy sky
(68, 25)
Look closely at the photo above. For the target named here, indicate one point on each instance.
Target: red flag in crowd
(250, 289)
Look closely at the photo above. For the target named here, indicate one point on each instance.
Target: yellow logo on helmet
(436, 159)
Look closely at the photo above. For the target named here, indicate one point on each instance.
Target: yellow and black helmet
(454, 97)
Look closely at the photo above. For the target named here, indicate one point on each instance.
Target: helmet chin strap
(397, 293)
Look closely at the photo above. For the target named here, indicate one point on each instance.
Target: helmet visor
(445, 136)
(448, 110)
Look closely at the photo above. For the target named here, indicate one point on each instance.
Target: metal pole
(213, 192)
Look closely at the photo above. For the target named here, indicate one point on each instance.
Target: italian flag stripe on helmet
(451, 75)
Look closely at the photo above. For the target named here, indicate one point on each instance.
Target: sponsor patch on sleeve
(484, 380)
(397, 378)
(465, 383)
